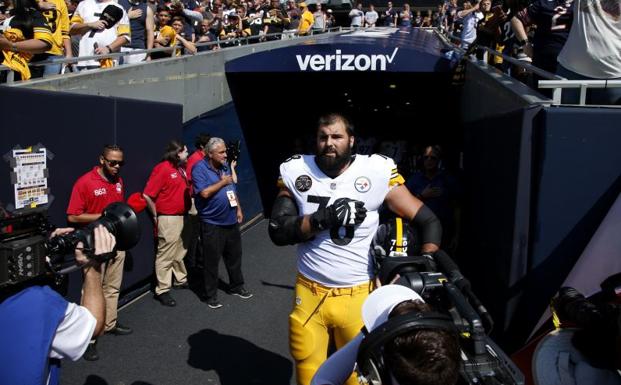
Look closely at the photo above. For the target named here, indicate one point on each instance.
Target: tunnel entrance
(396, 109)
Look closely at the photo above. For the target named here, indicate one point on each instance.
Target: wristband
(109, 49)
(522, 43)
(13, 47)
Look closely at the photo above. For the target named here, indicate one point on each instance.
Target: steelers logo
(362, 184)
(303, 183)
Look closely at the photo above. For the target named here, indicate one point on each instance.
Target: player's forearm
(518, 29)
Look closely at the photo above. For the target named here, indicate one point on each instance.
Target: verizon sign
(345, 62)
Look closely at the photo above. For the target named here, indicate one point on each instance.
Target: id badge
(232, 198)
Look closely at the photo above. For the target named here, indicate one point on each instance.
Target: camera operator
(38, 327)
(585, 348)
(422, 356)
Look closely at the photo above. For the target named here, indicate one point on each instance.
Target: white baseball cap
(379, 304)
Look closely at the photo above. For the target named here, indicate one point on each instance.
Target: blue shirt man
(220, 214)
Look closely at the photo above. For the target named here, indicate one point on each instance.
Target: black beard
(331, 166)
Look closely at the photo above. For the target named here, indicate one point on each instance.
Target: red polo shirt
(169, 189)
(196, 157)
(92, 193)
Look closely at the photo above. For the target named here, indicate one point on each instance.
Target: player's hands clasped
(343, 212)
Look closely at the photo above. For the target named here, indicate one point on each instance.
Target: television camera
(233, 149)
(27, 253)
(440, 283)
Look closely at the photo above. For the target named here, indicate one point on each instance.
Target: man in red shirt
(91, 193)
(194, 257)
(168, 200)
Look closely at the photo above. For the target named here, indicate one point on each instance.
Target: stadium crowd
(533, 31)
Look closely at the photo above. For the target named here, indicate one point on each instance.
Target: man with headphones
(403, 342)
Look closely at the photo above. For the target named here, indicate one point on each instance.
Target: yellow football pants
(320, 314)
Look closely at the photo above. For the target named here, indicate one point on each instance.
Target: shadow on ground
(237, 361)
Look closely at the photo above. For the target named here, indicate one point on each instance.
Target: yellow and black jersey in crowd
(58, 21)
(168, 34)
(17, 30)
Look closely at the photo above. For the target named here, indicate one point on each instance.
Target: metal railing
(230, 43)
(583, 85)
(551, 81)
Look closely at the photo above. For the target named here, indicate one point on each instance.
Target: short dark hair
(109, 148)
(201, 140)
(423, 356)
(333, 117)
(173, 148)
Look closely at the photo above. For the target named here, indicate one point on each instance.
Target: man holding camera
(329, 204)
(423, 356)
(38, 327)
(91, 193)
(218, 207)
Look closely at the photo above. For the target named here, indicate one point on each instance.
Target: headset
(371, 367)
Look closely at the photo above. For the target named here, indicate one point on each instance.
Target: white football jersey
(339, 257)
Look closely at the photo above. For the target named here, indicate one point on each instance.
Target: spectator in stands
(183, 45)
(205, 36)
(220, 211)
(275, 20)
(418, 19)
(470, 16)
(254, 21)
(439, 18)
(231, 30)
(99, 38)
(306, 20)
(164, 34)
(294, 14)
(593, 50)
(390, 16)
(168, 200)
(371, 16)
(319, 26)
(330, 20)
(56, 14)
(142, 28)
(405, 16)
(357, 16)
(552, 20)
(439, 190)
(25, 34)
(85, 206)
(451, 15)
(427, 19)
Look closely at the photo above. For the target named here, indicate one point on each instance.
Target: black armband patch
(285, 225)
(429, 226)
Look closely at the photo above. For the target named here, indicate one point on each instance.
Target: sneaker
(166, 299)
(91, 352)
(120, 330)
(214, 303)
(242, 293)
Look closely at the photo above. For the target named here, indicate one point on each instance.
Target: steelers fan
(328, 205)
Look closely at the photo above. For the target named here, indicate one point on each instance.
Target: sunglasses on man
(114, 163)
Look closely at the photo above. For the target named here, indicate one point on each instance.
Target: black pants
(218, 242)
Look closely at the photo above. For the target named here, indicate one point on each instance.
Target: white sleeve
(337, 369)
(74, 333)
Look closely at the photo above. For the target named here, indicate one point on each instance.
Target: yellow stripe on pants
(320, 314)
